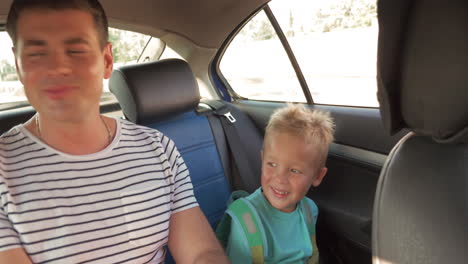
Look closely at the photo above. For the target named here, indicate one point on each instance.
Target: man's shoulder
(126, 124)
(8, 141)
(129, 128)
(12, 137)
(13, 133)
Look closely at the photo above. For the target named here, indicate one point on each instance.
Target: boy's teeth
(280, 192)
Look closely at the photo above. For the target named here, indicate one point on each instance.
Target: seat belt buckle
(230, 117)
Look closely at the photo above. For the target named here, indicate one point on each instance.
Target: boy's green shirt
(286, 234)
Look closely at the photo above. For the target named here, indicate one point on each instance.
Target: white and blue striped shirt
(112, 206)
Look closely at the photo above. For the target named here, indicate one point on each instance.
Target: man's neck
(78, 137)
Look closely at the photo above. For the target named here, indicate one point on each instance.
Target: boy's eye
(272, 164)
(296, 171)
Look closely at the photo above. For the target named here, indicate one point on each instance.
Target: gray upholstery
(422, 67)
(152, 92)
(420, 207)
(420, 212)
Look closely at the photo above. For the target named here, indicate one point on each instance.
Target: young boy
(276, 223)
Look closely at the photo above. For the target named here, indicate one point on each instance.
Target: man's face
(60, 62)
(288, 170)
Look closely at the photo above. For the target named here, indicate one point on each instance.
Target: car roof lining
(157, 17)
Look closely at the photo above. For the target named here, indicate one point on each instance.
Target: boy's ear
(319, 177)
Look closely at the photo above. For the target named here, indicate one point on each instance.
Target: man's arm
(17, 256)
(191, 239)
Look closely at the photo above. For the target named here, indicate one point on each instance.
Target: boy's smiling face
(289, 168)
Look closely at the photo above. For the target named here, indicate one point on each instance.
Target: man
(78, 187)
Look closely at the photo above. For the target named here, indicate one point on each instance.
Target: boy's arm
(17, 256)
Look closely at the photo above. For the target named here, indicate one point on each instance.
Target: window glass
(256, 65)
(335, 44)
(11, 89)
(127, 47)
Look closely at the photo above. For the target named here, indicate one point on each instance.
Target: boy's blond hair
(315, 127)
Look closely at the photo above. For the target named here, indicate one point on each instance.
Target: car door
(326, 60)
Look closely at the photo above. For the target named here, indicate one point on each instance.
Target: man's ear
(18, 72)
(108, 61)
(319, 176)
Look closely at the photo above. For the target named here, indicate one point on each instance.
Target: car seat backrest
(420, 207)
(164, 95)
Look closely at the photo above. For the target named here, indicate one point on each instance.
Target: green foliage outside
(7, 71)
(338, 15)
(126, 45)
(347, 14)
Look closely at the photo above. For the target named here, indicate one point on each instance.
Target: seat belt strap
(229, 124)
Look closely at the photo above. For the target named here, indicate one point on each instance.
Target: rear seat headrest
(155, 91)
(423, 67)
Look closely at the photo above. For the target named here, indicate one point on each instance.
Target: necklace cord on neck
(109, 134)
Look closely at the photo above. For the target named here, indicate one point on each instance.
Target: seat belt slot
(230, 117)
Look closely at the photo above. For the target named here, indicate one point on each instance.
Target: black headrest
(423, 67)
(155, 91)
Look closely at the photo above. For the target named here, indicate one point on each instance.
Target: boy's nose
(282, 176)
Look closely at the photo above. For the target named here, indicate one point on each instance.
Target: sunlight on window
(11, 89)
(257, 67)
(335, 44)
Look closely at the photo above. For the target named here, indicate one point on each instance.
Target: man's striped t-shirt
(112, 206)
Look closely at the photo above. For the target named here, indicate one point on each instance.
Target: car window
(333, 41)
(335, 44)
(256, 66)
(127, 47)
(11, 90)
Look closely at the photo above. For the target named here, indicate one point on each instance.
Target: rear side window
(257, 67)
(333, 41)
(127, 47)
(335, 44)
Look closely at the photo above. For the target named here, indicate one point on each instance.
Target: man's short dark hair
(91, 6)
